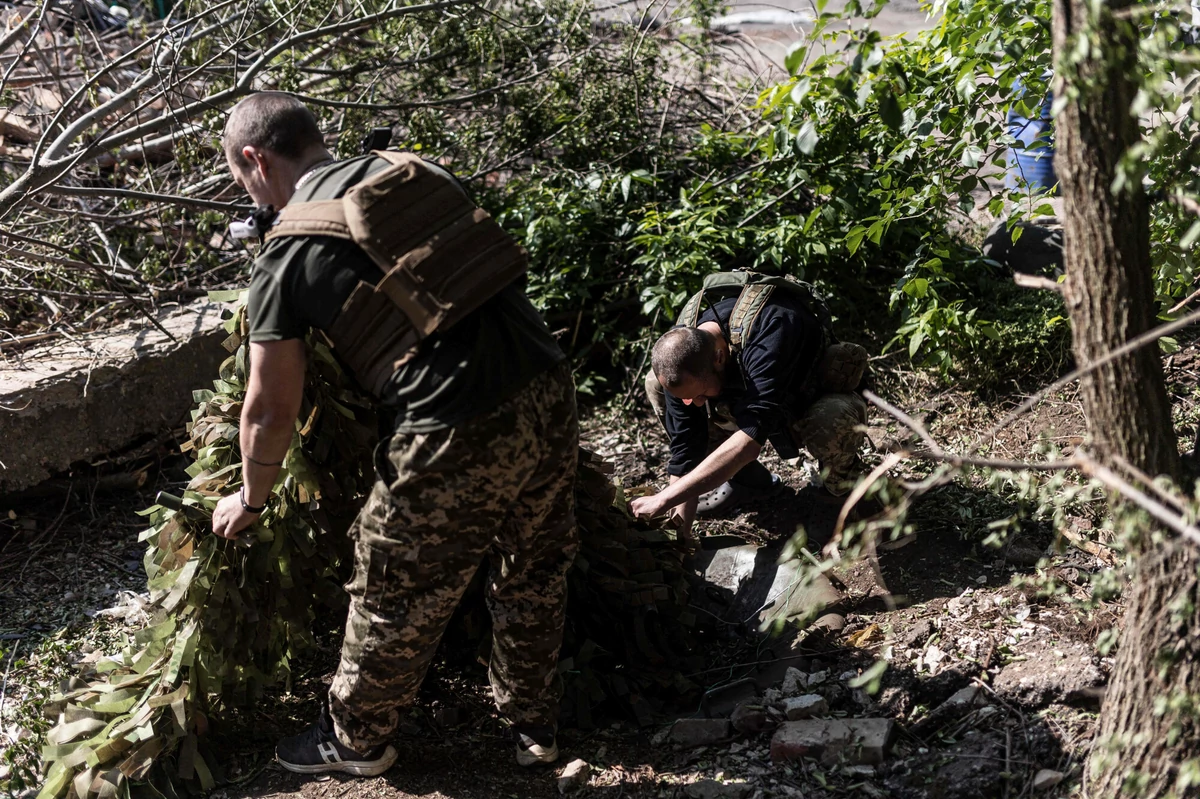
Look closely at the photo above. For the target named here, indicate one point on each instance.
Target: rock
(860, 741)
(101, 392)
(958, 705)
(829, 623)
(711, 789)
(805, 707)
(918, 634)
(574, 776)
(965, 698)
(689, 733)
(721, 701)
(736, 579)
(817, 677)
(794, 682)
(1046, 778)
(1049, 673)
(750, 718)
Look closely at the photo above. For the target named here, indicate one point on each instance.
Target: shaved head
(273, 121)
(684, 352)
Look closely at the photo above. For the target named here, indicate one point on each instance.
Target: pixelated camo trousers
(499, 486)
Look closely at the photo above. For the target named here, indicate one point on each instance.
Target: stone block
(574, 776)
(859, 741)
(75, 401)
(689, 733)
(805, 707)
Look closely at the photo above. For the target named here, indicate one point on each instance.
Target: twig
(4, 687)
(130, 194)
(1179, 306)
(1093, 468)
(1137, 342)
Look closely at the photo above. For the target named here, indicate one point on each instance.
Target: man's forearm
(265, 443)
(723, 463)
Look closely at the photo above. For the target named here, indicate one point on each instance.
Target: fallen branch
(1036, 282)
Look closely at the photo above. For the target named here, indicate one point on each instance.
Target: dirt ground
(1019, 623)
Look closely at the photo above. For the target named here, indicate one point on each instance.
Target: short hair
(274, 121)
(683, 352)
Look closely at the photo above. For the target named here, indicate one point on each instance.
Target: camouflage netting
(228, 618)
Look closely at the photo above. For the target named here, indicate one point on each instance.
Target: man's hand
(647, 507)
(229, 518)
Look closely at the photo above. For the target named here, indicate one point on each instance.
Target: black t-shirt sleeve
(687, 430)
(301, 283)
(269, 306)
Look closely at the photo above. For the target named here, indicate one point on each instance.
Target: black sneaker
(535, 745)
(317, 750)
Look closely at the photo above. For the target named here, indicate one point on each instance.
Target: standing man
(757, 353)
(481, 463)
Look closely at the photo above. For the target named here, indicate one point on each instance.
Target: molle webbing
(441, 257)
(753, 290)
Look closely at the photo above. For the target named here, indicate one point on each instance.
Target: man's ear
(720, 355)
(255, 156)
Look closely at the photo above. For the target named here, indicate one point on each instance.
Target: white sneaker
(536, 745)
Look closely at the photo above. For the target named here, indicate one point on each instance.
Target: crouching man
(417, 290)
(752, 359)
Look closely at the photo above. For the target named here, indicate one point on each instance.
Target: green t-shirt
(302, 282)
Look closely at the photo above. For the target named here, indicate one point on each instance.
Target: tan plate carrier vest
(441, 256)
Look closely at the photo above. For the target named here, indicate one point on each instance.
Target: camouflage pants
(500, 486)
(828, 429)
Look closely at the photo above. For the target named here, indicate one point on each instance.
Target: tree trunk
(1148, 726)
(1148, 744)
(1109, 288)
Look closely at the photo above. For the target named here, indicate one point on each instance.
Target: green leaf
(971, 155)
(794, 59)
(890, 111)
(854, 238)
(806, 139)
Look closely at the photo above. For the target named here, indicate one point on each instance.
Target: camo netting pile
(229, 618)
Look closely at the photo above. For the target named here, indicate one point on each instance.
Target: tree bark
(1149, 738)
(1109, 289)
(1148, 744)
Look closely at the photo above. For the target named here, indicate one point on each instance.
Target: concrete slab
(80, 399)
(745, 584)
(859, 741)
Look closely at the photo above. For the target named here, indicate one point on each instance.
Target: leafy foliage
(228, 616)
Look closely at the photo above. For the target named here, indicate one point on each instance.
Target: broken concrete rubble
(756, 588)
(749, 718)
(805, 707)
(574, 776)
(859, 741)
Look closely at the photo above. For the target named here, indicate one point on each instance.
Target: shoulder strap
(316, 218)
(690, 315)
(745, 312)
